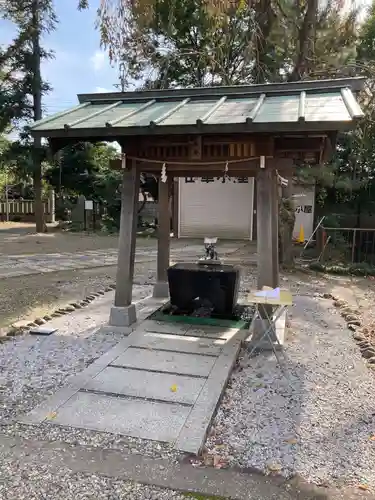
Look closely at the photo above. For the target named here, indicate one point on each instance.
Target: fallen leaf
(363, 487)
(274, 467)
(372, 438)
(292, 441)
(217, 460)
(174, 388)
(51, 415)
(208, 460)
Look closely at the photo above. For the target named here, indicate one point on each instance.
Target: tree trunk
(306, 42)
(37, 111)
(264, 20)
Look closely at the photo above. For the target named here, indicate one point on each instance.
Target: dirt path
(22, 240)
(29, 297)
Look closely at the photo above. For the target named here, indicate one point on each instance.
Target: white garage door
(212, 208)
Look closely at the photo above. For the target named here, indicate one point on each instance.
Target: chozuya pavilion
(261, 131)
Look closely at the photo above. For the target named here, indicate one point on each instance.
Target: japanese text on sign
(307, 209)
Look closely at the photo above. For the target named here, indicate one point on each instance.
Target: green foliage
(184, 45)
(18, 69)
(191, 42)
(83, 169)
(348, 181)
(21, 80)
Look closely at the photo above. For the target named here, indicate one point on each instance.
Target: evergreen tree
(270, 40)
(20, 65)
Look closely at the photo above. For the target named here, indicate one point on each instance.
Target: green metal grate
(159, 315)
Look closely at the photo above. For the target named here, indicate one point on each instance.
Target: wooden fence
(23, 210)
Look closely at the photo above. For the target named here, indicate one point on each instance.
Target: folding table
(270, 309)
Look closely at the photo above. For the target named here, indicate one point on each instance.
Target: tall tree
(21, 61)
(281, 39)
(191, 48)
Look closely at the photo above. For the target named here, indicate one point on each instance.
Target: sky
(80, 66)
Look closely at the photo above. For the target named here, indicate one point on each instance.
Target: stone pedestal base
(122, 316)
(258, 328)
(161, 290)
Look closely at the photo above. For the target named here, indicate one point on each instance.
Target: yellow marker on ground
(301, 236)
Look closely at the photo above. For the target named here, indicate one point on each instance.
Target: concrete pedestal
(122, 316)
(161, 290)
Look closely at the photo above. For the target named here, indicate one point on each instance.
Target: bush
(109, 224)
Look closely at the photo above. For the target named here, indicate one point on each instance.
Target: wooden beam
(300, 144)
(243, 169)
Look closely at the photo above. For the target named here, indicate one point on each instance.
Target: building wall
(210, 207)
(232, 213)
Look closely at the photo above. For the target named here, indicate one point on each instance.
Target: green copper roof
(314, 105)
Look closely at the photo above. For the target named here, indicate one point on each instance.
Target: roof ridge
(354, 83)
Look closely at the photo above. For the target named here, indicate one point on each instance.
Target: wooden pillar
(275, 232)
(161, 288)
(123, 312)
(267, 226)
(175, 213)
(267, 246)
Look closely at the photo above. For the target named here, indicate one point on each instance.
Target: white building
(210, 207)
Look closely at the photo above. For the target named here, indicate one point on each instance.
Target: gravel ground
(41, 484)
(320, 429)
(32, 368)
(319, 426)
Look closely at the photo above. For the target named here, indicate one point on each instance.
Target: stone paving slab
(147, 385)
(129, 416)
(164, 327)
(166, 361)
(216, 332)
(160, 392)
(194, 431)
(181, 343)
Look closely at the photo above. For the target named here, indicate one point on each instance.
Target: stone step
(166, 361)
(127, 416)
(147, 385)
(181, 343)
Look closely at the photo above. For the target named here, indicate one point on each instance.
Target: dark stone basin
(215, 284)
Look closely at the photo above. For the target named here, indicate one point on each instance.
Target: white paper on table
(269, 294)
